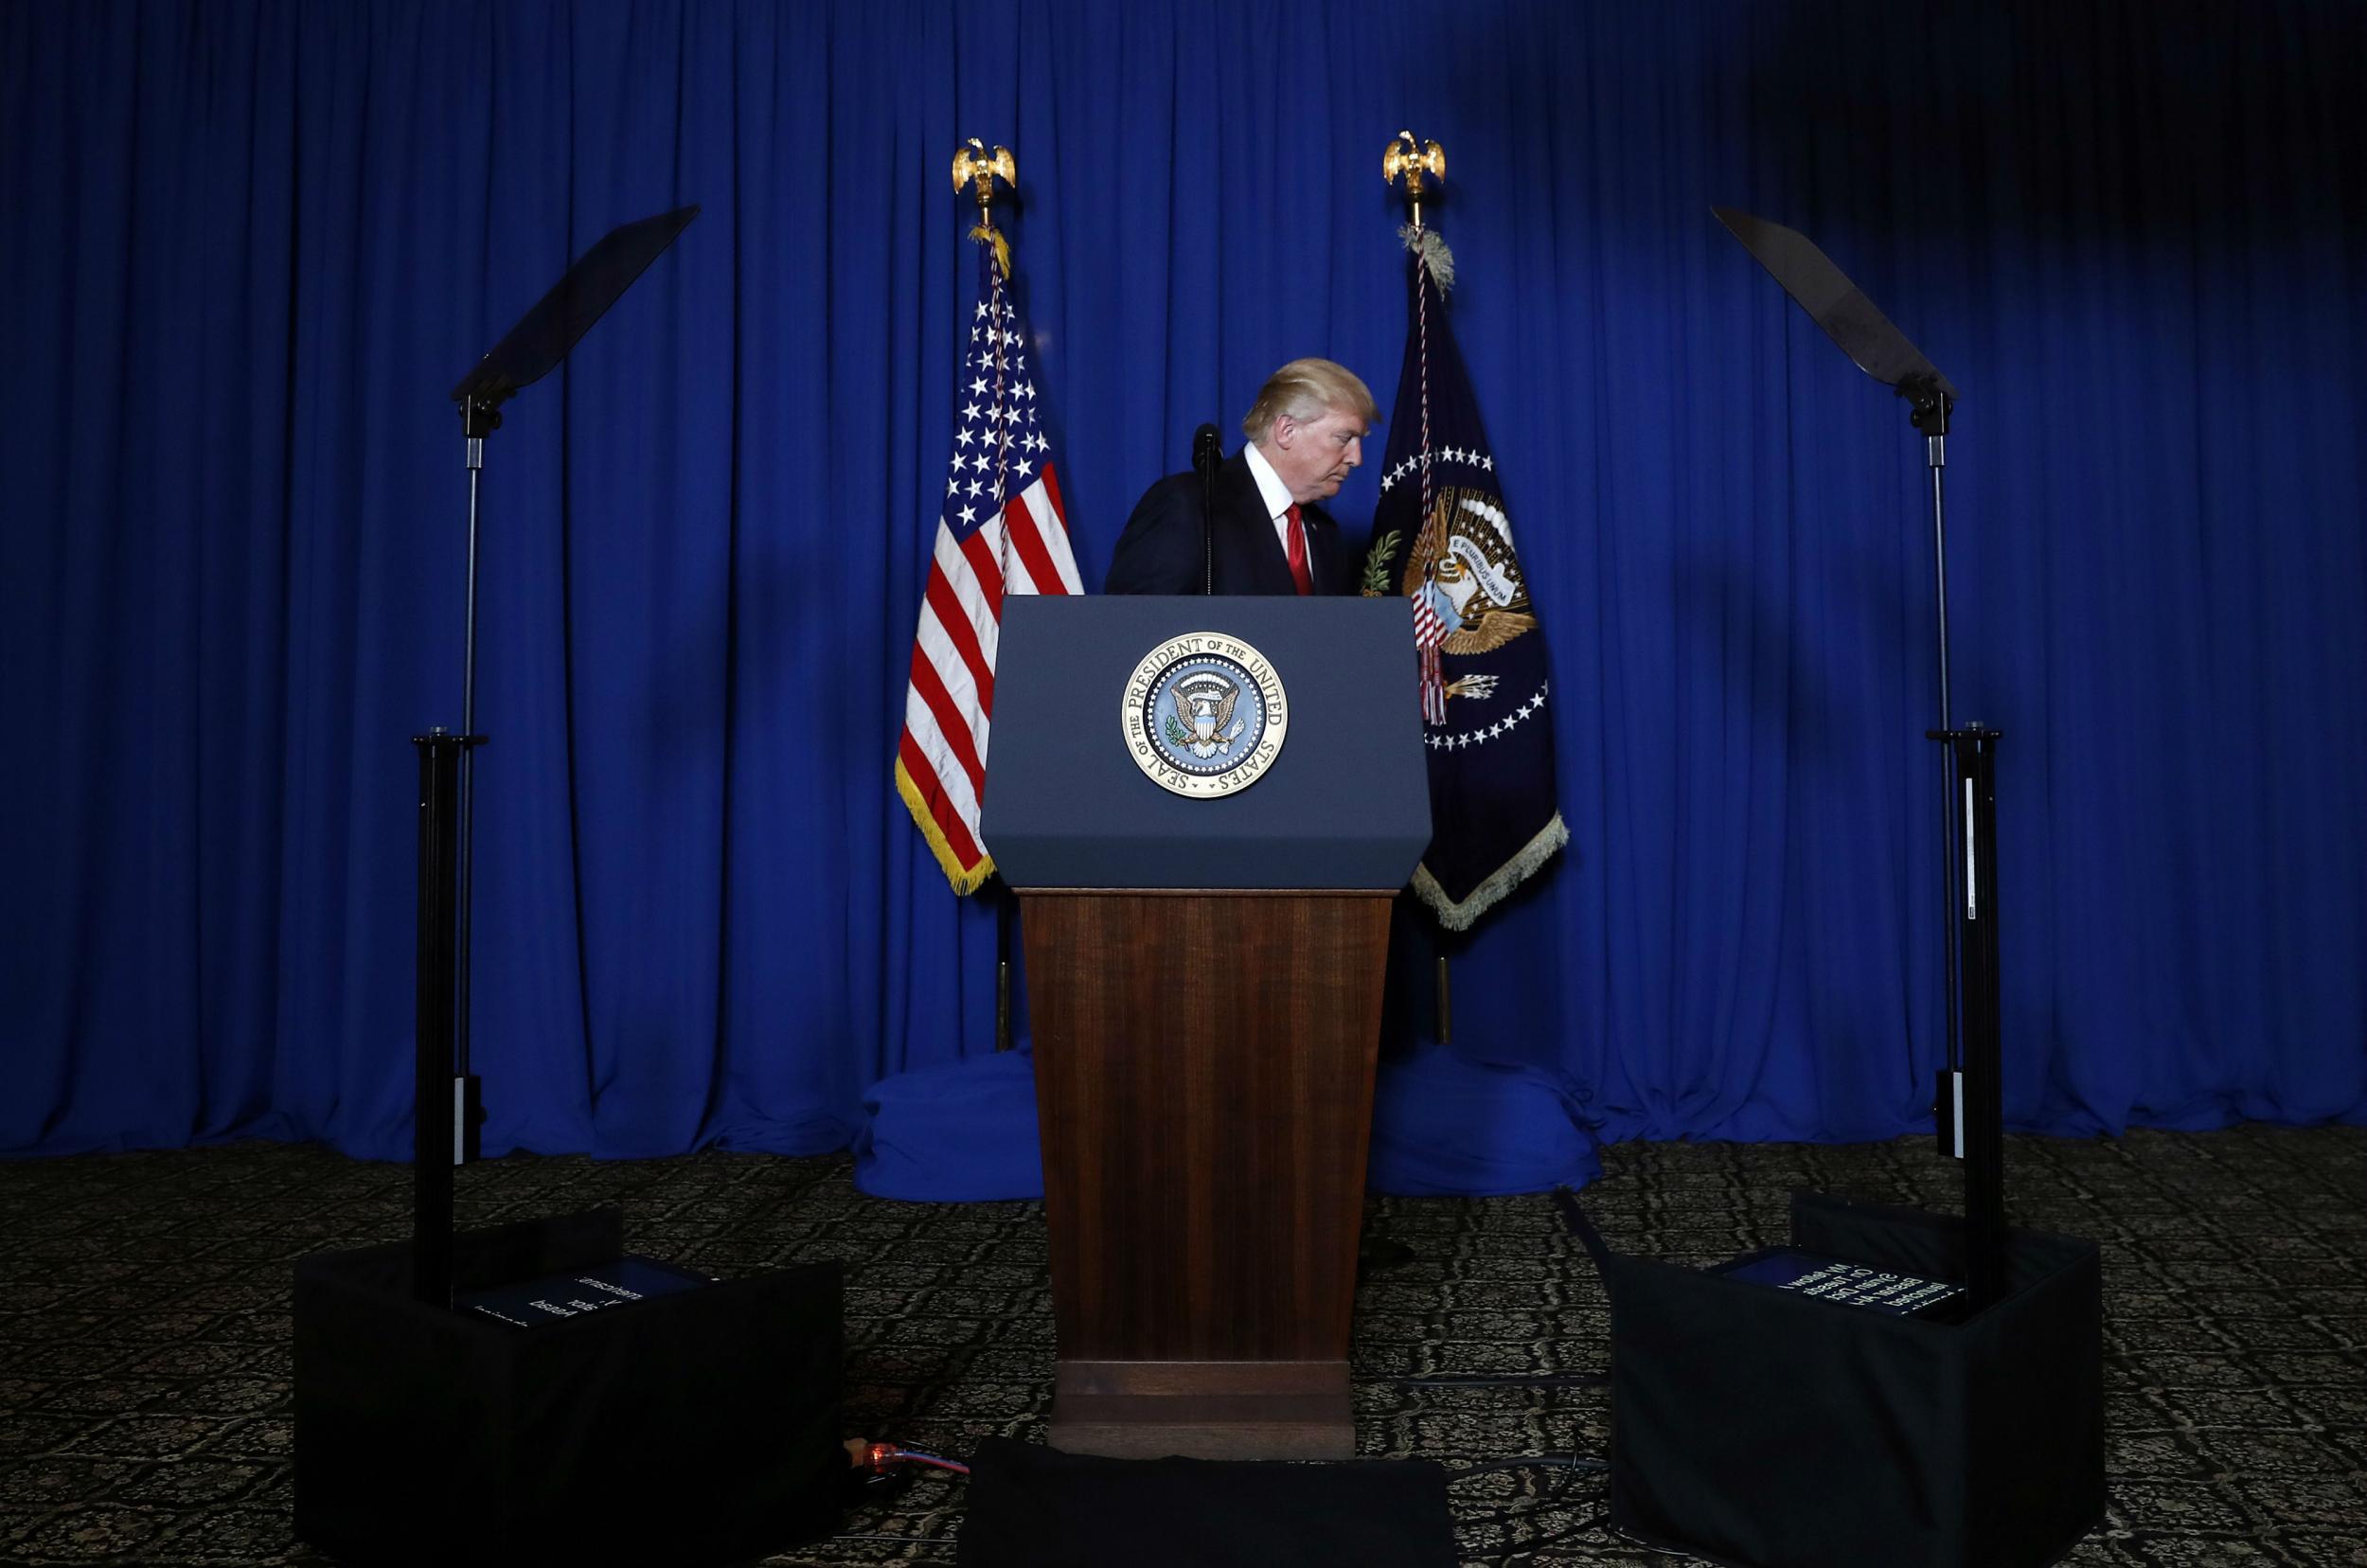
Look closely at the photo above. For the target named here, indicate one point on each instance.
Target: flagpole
(1002, 526)
(1002, 970)
(1408, 159)
(1445, 1006)
(975, 166)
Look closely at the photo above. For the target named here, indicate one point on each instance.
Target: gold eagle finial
(975, 166)
(1413, 159)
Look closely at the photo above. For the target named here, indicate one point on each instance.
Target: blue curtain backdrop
(251, 246)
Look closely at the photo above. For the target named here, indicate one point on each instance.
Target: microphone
(1205, 452)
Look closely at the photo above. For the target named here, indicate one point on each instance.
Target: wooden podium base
(1205, 1410)
(1205, 1085)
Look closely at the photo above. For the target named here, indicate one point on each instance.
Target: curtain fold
(252, 246)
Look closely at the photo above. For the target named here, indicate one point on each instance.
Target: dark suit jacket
(1160, 551)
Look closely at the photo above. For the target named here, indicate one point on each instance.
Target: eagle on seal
(1206, 716)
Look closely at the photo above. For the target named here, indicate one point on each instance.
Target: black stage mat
(1036, 1507)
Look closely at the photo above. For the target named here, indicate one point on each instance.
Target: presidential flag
(1002, 529)
(1443, 537)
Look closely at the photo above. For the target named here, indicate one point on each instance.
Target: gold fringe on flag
(1426, 243)
(1534, 854)
(964, 881)
(989, 234)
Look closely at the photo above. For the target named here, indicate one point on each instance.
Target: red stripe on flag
(1020, 520)
(979, 551)
(1051, 489)
(941, 812)
(964, 636)
(952, 726)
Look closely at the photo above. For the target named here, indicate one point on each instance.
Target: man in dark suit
(1306, 432)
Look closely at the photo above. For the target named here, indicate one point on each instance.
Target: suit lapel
(1257, 549)
(1249, 546)
(1322, 543)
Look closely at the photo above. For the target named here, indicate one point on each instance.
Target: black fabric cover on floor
(1037, 1507)
(1755, 1426)
(697, 1428)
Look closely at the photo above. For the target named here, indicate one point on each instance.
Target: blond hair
(1304, 389)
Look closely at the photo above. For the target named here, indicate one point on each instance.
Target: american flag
(1428, 632)
(1002, 529)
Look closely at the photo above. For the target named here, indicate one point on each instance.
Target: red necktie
(1298, 551)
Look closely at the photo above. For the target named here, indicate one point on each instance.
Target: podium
(1206, 957)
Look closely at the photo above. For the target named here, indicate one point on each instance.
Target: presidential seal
(1464, 568)
(1204, 715)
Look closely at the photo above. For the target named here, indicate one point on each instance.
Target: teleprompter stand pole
(1970, 1107)
(479, 418)
(1928, 402)
(1971, 754)
(701, 1428)
(440, 1118)
(447, 1099)
(1966, 1110)
(448, 1110)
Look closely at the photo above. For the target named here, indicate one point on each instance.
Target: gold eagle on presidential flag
(1443, 537)
(1002, 528)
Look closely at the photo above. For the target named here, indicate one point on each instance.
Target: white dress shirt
(1276, 494)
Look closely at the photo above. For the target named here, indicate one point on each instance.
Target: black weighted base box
(695, 1428)
(1752, 1425)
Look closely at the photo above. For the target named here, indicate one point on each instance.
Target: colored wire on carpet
(879, 1456)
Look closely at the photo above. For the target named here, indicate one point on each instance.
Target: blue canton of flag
(1003, 528)
(1482, 657)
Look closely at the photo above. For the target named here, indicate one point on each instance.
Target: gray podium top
(1343, 804)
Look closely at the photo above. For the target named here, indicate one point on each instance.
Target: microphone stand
(1207, 454)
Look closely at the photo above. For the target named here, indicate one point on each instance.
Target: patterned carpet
(144, 1328)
